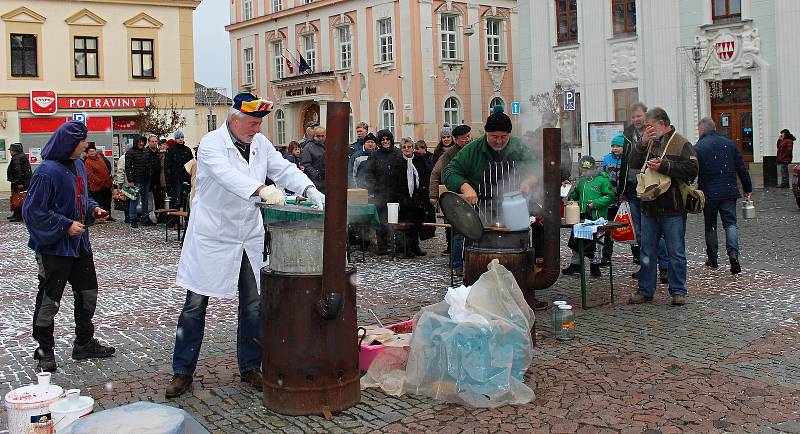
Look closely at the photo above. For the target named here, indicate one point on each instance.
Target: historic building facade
(734, 60)
(405, 65)
(100, 61)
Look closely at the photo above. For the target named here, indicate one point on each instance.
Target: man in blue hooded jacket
(58, 211)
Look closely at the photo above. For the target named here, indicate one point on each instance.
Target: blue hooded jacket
(58, 196)
(720, 162)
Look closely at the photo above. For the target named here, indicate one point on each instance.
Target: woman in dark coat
(19, 175)
(784, 158)
(381, 176)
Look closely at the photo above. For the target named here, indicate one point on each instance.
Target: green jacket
(597, 190)
(469, 164)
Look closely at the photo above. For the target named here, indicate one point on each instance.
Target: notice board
(600, 135)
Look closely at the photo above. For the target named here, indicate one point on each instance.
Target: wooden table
(608, 227)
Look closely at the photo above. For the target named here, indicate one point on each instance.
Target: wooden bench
(182, 216)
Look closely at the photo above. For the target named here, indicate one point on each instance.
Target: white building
(615, 52)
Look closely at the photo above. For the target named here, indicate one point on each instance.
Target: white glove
(315, 196)
(272, 196)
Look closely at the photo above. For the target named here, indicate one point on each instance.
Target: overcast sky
(212, 54)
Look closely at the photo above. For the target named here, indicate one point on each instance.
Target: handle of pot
(267, 243)
(362, 334)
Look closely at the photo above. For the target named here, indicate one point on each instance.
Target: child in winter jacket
(594, 194)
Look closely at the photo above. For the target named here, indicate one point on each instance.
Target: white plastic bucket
(28, 408)
(392, 211)
(68, 410)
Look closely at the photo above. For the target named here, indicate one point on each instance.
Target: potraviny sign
(47, 102)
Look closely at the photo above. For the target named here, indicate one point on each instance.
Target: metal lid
(34, 393)
(565, 307)
(461, 215)
(559, 302)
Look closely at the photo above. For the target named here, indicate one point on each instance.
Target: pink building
(406, 65)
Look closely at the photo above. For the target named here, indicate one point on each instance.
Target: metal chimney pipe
(551, 213)
(334, 246)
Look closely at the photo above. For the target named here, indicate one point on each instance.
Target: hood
(381, 135)
(64, 140)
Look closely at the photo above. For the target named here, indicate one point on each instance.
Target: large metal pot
(510, 248)
(295, 246)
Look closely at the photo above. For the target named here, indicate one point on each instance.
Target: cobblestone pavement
(728, 361)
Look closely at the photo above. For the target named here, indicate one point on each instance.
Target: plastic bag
(139, 418)
(624, 234)
(478, 365)
(456, 297)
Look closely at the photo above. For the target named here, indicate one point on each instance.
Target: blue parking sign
(569, 99)
(80, 117)
(515, 107)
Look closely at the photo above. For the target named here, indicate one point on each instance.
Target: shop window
(385, 43)
(623, 100)
(567, 20)
(142, 58)
(726, 10)
(571, 124)
(493, 40)
(24, 62)
(387, 115)
(451, 111)
(624, 16)
(86, 61)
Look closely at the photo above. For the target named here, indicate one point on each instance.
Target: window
(387, 115)
(726, 9)
(310, 51)
(345, 52)
(624, 16)
(142, 58)
(212, 122)
(623, 100)
(451, 111)
(493, 40)
(567, 20)
(571, 124)
(249, 66)
(277, 5)
(247, 9)
(85, 52)
(305, 2)
(447, 31)
(496, 101)
(23, 56)
(277, 59)
(385, 49)
(280, 127)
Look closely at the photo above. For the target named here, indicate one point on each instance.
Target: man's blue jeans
(192, 322)
(636, 217)
(144, 193)
(784, 175)
(727, 211)
(673, 230)
(457, 251)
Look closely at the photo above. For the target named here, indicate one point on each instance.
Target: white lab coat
(224, 219)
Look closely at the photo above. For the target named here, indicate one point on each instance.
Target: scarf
(412, 176)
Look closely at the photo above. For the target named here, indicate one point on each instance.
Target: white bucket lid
(33, 394)
(78, 404)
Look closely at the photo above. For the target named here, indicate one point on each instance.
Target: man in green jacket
(487, 167)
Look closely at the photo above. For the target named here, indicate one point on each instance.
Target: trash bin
(770, 168)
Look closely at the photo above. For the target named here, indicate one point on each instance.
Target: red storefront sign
(42, 102)
(34, 103)
(49, 125)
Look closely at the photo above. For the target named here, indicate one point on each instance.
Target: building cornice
(193, 4)
(302, 9)
(302, 80)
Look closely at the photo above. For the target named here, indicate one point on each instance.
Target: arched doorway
(310, 113)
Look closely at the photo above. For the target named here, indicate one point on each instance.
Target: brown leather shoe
(678, 300)
(638, 298)
(253, 378)
(179, 385)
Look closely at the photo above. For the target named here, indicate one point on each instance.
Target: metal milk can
(748, 209)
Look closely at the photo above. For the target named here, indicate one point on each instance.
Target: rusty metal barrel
(510, 248)
(310, 363)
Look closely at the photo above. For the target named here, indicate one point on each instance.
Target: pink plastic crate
(368, 353)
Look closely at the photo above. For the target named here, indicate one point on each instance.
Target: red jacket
(785, 150)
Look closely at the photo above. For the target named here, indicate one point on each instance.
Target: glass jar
(555, 316)
(567, 329)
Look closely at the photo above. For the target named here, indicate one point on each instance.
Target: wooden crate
(357, 196)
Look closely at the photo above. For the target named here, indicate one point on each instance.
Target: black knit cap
(16, 147)
(498, 121)
(461, 130)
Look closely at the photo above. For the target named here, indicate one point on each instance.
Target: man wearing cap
(312, 158)
(309, 135)
(58, 213)
(19, 175)
(177, 156)
(488, 165)
(223, 247)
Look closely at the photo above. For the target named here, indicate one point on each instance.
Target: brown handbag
(17, 199)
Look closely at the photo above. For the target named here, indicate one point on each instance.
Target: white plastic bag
(456, 297)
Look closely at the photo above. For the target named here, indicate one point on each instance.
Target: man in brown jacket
(665, 151)
(462, 136)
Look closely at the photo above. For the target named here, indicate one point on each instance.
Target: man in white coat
(222, 251)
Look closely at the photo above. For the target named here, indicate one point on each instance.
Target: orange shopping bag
(624, 234)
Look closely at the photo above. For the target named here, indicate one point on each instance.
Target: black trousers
(158, 195)
(54, 273)
(103, 198)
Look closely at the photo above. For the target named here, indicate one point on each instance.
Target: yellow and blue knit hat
(252, 105)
